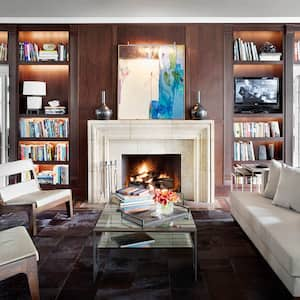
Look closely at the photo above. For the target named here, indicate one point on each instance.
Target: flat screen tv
(255, 95)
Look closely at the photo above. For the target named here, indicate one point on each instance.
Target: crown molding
(152, 20)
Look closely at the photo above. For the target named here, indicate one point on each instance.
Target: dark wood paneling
(13, 107)
(97, 69)
(151, 33)
(205, 50)
(228, 102)
(94, 74)
(75, 174)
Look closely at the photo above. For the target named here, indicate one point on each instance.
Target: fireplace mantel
(107, 140)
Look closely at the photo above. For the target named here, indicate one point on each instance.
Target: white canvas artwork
(138, 86)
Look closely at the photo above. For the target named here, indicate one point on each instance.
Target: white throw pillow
(288, 191)
(273, 179)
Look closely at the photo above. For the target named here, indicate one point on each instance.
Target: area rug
(55, 223)
(212, 215)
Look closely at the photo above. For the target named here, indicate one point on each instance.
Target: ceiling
(116, 11)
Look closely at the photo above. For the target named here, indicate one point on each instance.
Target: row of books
(44, 128)
(243, 151)
(45, 152)
(297, 51)
(244, 51)
(59, 175)
(133, 199)
(242, 179)
(247, 51)
(30, 52)
(3, 52)
(256, 129)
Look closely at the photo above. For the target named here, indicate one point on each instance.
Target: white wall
(109, 11)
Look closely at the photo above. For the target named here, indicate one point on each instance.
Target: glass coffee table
(180, 233)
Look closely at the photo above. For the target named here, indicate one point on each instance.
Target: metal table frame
(192, 231)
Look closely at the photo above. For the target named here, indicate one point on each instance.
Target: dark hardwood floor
(229, 268)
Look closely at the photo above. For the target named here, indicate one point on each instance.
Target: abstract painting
(151, 81)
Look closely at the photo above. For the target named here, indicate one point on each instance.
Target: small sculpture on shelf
(103, 112)
(198, 112)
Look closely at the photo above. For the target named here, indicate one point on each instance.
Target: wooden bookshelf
(237, 68)
(56, 74)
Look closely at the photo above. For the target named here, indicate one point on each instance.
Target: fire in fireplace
(156, 170)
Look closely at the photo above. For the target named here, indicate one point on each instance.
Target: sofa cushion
(41, 198)
(277, 228)
(288, 190)
(273, 179)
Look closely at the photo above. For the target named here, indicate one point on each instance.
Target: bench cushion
(15, 244)
(276, 227)
(41, 198)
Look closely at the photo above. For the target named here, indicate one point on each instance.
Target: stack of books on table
(133, 199)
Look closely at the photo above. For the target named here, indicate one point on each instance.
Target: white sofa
(275, 232)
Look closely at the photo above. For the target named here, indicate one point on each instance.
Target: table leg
(195, 256)
(95, 258)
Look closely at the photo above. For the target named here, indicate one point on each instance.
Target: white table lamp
(34, 90)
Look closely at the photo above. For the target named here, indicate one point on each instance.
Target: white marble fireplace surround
(193, 140)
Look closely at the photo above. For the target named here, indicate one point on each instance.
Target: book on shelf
(44, 128)
(256, 129)
(30, 52)
(55, 110)
(275, 128)
(244, 50)
(46, 55)
(272, 56)
(45, 152)
(297, 51)
(134, 240)
(3, 52)
(59, 175)
(243, 151)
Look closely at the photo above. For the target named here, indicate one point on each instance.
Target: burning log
(159, 180)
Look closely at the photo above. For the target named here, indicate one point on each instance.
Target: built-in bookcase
(258, 138)
(45, 138)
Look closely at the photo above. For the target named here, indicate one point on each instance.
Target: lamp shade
(34, 88)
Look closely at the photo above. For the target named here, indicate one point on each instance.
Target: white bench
(27, 192)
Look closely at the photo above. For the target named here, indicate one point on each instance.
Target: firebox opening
(157, 170)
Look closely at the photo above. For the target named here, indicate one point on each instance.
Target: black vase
(198, 112)
(103, 112)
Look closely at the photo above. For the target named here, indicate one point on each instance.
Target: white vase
(164, 210)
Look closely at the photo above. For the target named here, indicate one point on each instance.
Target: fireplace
(152, 170)
(192, 140)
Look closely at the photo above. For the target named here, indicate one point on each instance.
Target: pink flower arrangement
(164, 196)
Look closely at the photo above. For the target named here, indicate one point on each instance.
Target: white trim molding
(150, 20)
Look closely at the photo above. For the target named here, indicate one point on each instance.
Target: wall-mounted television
(255, 95)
